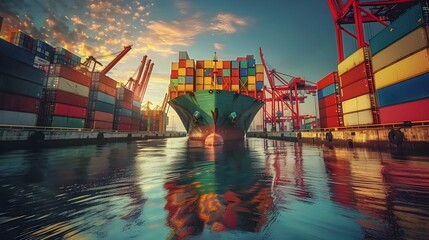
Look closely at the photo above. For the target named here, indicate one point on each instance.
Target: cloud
(228, 23)
(218, 46)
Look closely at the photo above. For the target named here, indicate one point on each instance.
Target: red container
(235, 80)
(123, 119)
(74, 76)
(104, 89)
(69, 111)
(103, 116)
(410, 111)
(200, 64)
(328, 112)
(100, 125)
(226, 83)
(329, 122)
(189, 71)
(107, 80)
(327, 80)
(135, 127)
(182, 63)
(328, 101)
(135, 121)
(353, 75)
(124, 127)
(226, 64)
(355, 89)
(19, 103)
(67, 98)
(235, 72)
(174, 74)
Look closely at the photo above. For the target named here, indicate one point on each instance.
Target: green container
(174, 82)
(135, 115)
(251, 71)
(226, 72)
(67, 122)
(181, 80)
(243, 64)
(103, 107)
(243, 79)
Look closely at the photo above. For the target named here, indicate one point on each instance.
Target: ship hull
(225, 113)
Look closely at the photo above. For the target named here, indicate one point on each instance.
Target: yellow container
(407, 68)
(199, 80)
(219, 87)
(259, 77)
(199, 87)
(259, 68)
(235, 87)
(207, 80)
(200, 72)
(352, 61)
(174, 66)
(251, 87)
(181, 87)
(189, 87)
(190, 63)
(251, 80)
(358, 118)
(208, 87)
(208, 64)
(357, 104)
(219, 64)
(182, 71)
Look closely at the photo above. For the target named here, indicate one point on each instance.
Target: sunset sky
(297, 36)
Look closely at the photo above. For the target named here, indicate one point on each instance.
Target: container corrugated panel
(200, 72)
(183, 55)
(358, 118)
(136, 109)
(330, 111)
(259, 68)
(103, 107)
(123, 104)
(19, 103)
(407, 68)
(73, 75)
(137, 103)
(329, 122)
(251, 71)
(353, 75)
(102, 116)
(226, 72)
(103, 88)
(327, 80)
(99, 96)
(67, 86)
(135, 115)
(189, 79)
(124, 127)
(17, 69)
(328, 101)
(190, 63)
(235, 72)
(324, 92)
(123, 112)
(208, 64)
(410, 20)
(69, 111)
(107, 80)
(410, 111)
(17, 118)
(59, 96)
(226, 64)
(243, 64)
(405, 91)
(20, 87)
(16, 53)
(200, 64)
(123, 119)
(68, 122)
(352, 61)
(100, 125)
(357, 104)
(174, 74)
(174, 66)
(181, 80)
(355, 89)
(235, 64)
(259, 86)
(207, 72)
(411, 43)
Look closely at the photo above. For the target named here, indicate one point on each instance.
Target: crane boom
(116, 60)
(146, 81)
(139, 75)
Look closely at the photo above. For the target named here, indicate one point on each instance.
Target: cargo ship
(216, 100)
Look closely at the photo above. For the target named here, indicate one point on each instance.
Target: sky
(297, 37)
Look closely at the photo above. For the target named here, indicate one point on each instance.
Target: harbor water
(179, 189)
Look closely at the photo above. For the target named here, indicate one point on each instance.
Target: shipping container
(21, 70)
(411, 43)
(17, 118)
(328, 112)
(101, 116)
(329, 122)
(67, 86)
(357, 104)
(58, 70)
(353, 60)
(355, 89)
(183, 55)
(19, 86)
(407, 22)
(123, 127)
(97, 86)
(102, 106)
(353, 75)
(99, 96)
(58, 96)
(68, 111)
(98, 77)
(410, 111)
(328, 101)
(15, 53)
(67, 122)
(123, 119)
(327, 80)
(358, 118)
(19, 103)
(406, 91)
(123, 112)
(100, 125)
(409, 67)
(324, 92)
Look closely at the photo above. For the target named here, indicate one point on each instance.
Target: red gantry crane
(358, 12)
(283, 94)
(116, 60)
(138, 86)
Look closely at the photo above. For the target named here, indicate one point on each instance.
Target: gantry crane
(283, 94)
(138, 86)
(116, 60)
(358, 12)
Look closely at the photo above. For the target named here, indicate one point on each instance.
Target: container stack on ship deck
(20, 86)
(136, 114)
(330, 107)
(123, 109)
(401, 68)
(102, 99)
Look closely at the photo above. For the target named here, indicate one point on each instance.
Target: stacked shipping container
(401, 68)
(330, 109)
(136, 114)
(63, 56)
(65, 97)
(154, 121)
(102, 99)
(20, 86)
(123, 109)
(242, 75)
(357, 89)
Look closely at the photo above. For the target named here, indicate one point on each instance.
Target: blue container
(326, 91)
(219, 80)
(189, 79)
(9, 50)
(21, 70)
(123, 112)
(251, 63)
(136, 115)
(103, 107)
(207, 72)
(243, 72)
(259, 86)
(19, 86)
(243, 64)
(100, 96)
(410, 20)
(235, 64)
(413, 89)
(137, 104)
